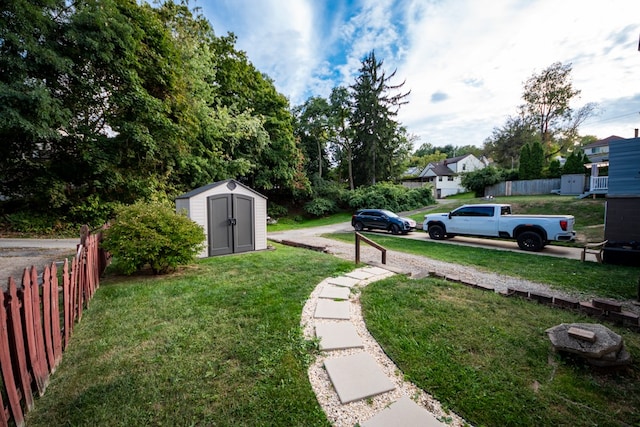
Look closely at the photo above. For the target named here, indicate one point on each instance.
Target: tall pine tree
(379, 141)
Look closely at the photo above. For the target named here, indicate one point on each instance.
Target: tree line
(110, 102)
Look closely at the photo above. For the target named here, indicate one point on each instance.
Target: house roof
(414, 170)
(602, 142)
(437, 169)
(456, 159)
(230, 183)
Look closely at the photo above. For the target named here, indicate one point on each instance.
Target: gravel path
(357, 412)
(416, 266)
(419, 266)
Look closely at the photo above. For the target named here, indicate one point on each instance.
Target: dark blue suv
(381, 219)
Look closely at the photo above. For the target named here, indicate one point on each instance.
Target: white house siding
(449, 188)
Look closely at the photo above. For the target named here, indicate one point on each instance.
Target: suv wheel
(358, 226)
(395, 229)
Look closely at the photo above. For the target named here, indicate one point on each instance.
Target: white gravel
(356, 412)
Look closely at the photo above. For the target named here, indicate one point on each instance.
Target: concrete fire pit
(595, 343)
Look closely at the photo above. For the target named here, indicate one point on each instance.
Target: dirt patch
(13, 261)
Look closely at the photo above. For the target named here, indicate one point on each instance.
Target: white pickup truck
(532, 232)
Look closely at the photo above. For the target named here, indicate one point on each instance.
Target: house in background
(598, 153)
(445, 176)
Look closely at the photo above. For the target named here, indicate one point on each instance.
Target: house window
(464, 167)
(440, 178)
(449, 178)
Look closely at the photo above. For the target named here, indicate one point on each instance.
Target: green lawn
(488, 358)
(216, 344)
(219, 343)
(574, 276)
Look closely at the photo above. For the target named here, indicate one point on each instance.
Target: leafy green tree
(312, 127)
(32, 110)
(342, 143)
(524, 169)
(531, 161)
(547, 97)
(505, 143)
(381, 145)
(279, 165)
(537, 160)
(555, 169)
(477, 180)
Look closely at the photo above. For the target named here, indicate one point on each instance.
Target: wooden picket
(31, 341)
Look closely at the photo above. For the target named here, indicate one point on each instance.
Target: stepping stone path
(354, 381)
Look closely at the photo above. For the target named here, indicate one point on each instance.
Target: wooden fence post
(7, 369)
(18, 341)
(55, 317)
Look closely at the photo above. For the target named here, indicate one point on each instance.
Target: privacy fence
(523, 188)
(36, 322)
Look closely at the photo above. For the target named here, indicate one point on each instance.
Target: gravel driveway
(419, 266)
(18, 254)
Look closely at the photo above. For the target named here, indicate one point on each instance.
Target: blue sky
(465, 61)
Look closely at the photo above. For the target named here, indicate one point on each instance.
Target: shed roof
(217, 184)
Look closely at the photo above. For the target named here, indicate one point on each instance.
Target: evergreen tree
(524, 170)
(575, 163)
(537, 160)
(380, 143)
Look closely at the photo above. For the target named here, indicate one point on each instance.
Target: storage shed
(234, 217)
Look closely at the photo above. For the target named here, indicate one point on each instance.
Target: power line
(612, 118)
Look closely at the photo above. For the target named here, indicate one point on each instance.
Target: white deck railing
(599, 183)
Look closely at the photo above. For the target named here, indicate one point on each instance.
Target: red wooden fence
(31, 341)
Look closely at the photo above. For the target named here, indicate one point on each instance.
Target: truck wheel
(358, 226)
(395, 229)
(530, 241)
(436, 232)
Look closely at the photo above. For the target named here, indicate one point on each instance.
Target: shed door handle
(231, 221)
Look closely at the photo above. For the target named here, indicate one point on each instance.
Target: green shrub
(41, 224)
(275, 210)
(153, 234)
(320, 206)
(394, 197)
(330, 190)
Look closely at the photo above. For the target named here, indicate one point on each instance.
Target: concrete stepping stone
(330, 309)
(338, 336)
(403, 412)
(359, 274)
(348, 282)
(357, 377)
(334, 292)
(376, 271)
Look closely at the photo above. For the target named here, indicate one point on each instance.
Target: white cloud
(464, 61)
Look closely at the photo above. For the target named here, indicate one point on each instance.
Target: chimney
(636, 133)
